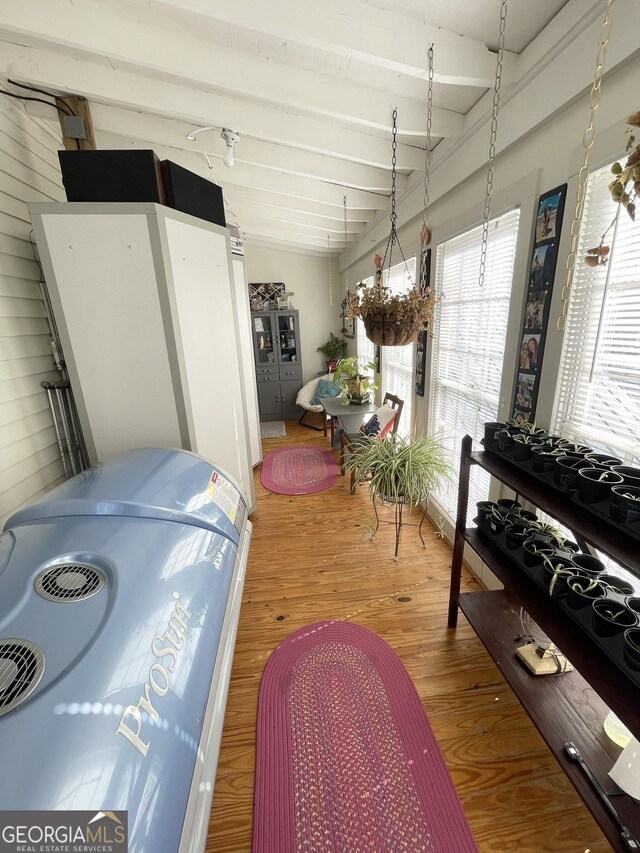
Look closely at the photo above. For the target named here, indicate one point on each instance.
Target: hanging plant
(390, 319)
(624, 190)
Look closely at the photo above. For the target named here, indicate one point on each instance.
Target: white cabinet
(248, 364)
(144, 300)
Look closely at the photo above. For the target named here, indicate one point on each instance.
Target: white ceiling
(308, 84)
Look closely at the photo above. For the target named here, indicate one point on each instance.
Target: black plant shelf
(593, 522)
(570, 707)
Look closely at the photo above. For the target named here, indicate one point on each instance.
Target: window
(365, 348)
(598, 394)
(398, 363)
(470, 328)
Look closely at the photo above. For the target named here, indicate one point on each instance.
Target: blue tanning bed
(120, 595)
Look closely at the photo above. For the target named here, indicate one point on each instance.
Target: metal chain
(492, 143)
(427, 153)
(346, 245)
(393, 234)
(394, 160)
(425, 232)
(587, 142)
(330, 281)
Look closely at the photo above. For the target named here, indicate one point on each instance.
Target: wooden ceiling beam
(251, 177)
(87, 29)
(382, 38)
(256, 152)
(101, 84)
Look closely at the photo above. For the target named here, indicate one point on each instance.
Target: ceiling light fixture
(231, 138)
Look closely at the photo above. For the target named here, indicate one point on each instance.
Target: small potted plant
(581, 591)
(544, 457)
(595, 484)
(333, 350)
(357, 385)
(527, 428)
(616, 587)
(535, 551)
(603, 460)
(565, 474)
(557, 572)
(524, 444)
(611, 618)
(625, 504)
(632, 647)
(490, 430)
(588, 565)
(516, 534)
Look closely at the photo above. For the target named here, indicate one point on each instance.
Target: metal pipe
(48, 388)
(65, 428)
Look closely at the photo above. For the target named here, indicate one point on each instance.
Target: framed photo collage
(536, 313)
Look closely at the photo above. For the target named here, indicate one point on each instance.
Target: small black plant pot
(633, 603)
(580, 592)
(595, 484)
(504, 439)
(522, 449)
(565, 474)
(588, 565)
(557, 572)
(490, 430)
(611, 617)
(484, 509)
(630, 476)
(526, 516)
(537, 432)
(632, 647)
(516, 535)
(543, 459)
(566, 547)
(495, 526)
(556, 441)
(572, 448)
(535, 552)
(603, 460)
(616, 587)
(507, 505)
(625, 504)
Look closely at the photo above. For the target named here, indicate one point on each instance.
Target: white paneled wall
(29, 171)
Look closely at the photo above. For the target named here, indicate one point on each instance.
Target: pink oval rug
(345, 759)
(298, 470)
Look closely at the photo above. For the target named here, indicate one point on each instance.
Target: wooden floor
(312, 559)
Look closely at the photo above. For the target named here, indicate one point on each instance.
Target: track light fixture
(231, 138)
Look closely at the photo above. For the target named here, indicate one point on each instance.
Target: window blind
(398, 363)
(470, 329)
(598, 393)
(364, 347)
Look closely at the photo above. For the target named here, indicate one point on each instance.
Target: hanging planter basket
(385, 331)
(392, 318)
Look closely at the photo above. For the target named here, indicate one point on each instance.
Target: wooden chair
(349, 441)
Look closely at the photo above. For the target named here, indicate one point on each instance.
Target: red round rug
(345, 758)
(298, 470)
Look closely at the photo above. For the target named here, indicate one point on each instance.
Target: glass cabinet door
(263, 334)
(287, 337)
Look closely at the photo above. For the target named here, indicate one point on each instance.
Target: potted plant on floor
(356, 384)
(333, 350)
(400, 470)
